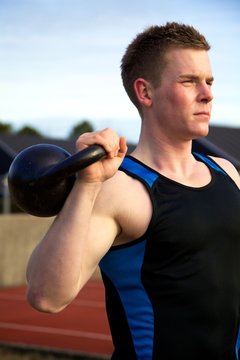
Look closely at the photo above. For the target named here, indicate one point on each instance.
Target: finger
(106, 138)
(122, 147)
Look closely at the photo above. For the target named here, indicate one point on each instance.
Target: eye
(188, 82)
(209, 83)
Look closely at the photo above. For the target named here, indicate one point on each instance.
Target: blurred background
(59, 77)
(60, 59)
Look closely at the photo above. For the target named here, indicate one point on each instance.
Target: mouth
(203, 114)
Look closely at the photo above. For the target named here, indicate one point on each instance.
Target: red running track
(80, 328)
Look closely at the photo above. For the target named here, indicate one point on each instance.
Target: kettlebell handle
(73, 164)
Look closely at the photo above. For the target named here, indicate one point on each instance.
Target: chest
(188, 222)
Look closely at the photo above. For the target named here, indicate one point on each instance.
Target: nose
(205, 93)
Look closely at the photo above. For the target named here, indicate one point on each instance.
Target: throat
(196, 176)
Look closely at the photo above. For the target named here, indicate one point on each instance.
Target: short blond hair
(145, 55)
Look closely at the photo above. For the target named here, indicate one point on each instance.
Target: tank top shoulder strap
(142, 172)
(209, 162)
(138, 170)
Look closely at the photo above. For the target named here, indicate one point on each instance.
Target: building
(221, 141)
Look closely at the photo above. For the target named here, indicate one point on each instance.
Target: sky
(60, 60)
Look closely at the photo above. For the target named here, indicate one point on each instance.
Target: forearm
(80, 235)
(57, 268)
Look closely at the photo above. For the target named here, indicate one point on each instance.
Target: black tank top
(174, 293)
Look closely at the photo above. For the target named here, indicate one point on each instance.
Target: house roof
(17, 143)
(221, 141)
(226, 138)
(11, 145)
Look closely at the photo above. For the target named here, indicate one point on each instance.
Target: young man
(163, 223)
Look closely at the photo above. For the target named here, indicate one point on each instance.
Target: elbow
(43, 303)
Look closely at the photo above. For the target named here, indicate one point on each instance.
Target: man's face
(182, 102)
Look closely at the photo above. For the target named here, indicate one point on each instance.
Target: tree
(80, 128)
(5, 128)
(29, 130)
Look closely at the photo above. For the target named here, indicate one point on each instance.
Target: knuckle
(106, 137)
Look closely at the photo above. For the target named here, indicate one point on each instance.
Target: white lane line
(55, 331)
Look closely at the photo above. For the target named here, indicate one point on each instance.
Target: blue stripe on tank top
(136, 168)
(209, 162)
(150, 176)
(123, 267)
(238, 344)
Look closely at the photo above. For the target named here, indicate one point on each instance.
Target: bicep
(103, 230)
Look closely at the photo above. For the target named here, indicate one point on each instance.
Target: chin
(202, 131)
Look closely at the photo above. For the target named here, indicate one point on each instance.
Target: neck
(164, 154)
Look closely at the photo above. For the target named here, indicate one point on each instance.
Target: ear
(143, 92)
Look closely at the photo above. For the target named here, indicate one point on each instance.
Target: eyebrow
(194, 77)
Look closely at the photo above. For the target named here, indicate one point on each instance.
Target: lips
(204, 114)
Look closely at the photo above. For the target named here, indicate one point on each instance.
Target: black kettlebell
(41, 176)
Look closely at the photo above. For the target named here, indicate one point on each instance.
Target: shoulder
(121, 190)
(229, 168)
(126, 200)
